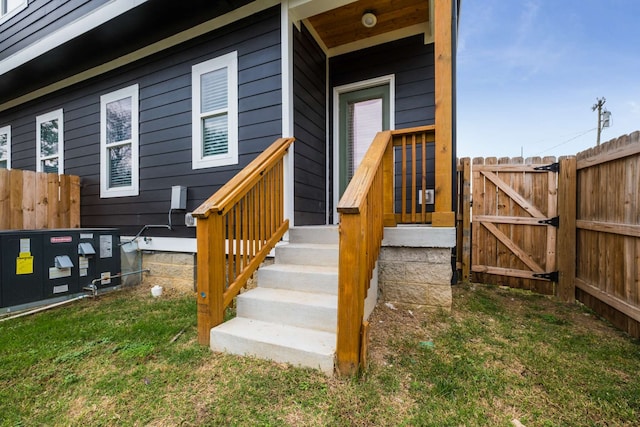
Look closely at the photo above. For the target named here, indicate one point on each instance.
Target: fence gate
(514, 217)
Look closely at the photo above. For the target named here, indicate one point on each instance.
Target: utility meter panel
(21, 275)
(36, 265)
(60, 262)
(99, 257)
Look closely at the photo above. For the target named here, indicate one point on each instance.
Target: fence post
(566, 240)
(466, 219)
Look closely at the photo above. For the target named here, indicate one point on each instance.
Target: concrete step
(305, 278)
(307, 254)
(277, 342)
(299, 309)
(324, 234)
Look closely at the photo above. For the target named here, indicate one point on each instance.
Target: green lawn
(499, 355)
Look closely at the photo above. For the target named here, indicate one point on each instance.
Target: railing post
(211, 274)
(388, 201)
(350, 296)
(443, 45)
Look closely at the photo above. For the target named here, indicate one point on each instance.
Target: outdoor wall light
(369, 19)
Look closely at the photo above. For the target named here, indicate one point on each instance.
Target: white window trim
(12, 12)
(53, 115)
(7, 131)
(132, 190)
(230, 62)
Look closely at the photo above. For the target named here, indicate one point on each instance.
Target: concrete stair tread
(314, 234)
(307, 254)
(276, 342)
(299, 277)
(310, 245)
(291, 297)
(301, 268)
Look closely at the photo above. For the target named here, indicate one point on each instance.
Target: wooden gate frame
(559, 220)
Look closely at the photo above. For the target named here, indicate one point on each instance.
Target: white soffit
(303, 9)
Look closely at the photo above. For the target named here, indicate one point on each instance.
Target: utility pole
(603, 116)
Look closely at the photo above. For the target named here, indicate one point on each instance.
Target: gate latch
(555, 221)
(553, 276)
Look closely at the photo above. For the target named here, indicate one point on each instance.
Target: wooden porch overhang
(337, 25)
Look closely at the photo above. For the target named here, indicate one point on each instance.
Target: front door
(362, 112)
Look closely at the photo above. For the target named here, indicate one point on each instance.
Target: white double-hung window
(215, 112)
(119, 143)
(5, 147)
(50, 142)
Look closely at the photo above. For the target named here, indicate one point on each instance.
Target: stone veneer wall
(415, 267)
(171, 270)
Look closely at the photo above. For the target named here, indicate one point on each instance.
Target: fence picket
(36, 200)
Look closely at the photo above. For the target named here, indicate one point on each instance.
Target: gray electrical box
(178, 197)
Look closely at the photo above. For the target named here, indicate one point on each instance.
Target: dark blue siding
(165, 124)
(412, 63)
(309, 101)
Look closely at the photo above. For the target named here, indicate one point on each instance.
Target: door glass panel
(364, 121)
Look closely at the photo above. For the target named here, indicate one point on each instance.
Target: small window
(11, 6)
(215, 112)
(5, 147)
(119, 143)
(50, 142)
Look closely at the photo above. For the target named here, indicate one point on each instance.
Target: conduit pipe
(46, 307)
(92, 288)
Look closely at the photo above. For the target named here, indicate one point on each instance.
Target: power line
(567, 141)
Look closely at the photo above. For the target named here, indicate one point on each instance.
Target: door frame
(388, 79)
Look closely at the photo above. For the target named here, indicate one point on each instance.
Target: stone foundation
(416, 276)
(171, 270)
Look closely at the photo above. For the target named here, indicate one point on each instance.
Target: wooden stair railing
(366, 207)
(244, 218)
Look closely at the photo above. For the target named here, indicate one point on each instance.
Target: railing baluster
(229, 246)
(423, 207)
(403, 202)
(413, 178)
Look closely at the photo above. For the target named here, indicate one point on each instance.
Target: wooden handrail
(237, 186)
(366, 207)
(244, 219)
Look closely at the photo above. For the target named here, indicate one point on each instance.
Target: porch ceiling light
(369, 19)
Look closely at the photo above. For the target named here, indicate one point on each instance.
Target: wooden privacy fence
(36, 200)
(607, 257)
(569, 228)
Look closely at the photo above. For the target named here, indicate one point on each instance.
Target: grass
(499, 355)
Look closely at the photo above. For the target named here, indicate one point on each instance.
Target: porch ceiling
(343, 25)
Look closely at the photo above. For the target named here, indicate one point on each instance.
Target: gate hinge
(555, 221)
(553, 276)
(553, 167)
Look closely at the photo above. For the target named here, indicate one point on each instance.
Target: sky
(529, 72)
